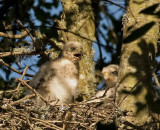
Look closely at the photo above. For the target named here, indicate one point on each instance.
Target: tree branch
(26, 30)
(33, 90)
(18, 36)
(8, 66)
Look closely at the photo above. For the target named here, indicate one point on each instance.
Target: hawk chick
(110, 74)
(58, 79)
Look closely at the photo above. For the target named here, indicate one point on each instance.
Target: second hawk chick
(58, 79)
(110, 74)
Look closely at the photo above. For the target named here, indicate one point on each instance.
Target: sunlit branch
(23, 52)
(156, 79)
(18, 36)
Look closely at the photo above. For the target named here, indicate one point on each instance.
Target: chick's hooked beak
(106, 76)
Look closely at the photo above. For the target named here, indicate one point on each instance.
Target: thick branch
(24, 51)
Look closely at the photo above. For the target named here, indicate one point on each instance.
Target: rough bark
(140, 35)
(78, 23)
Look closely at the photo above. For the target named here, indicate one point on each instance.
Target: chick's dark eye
(115, 73)
(72, 49)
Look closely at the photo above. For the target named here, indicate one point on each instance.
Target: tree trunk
(140, 35)
(78, 22)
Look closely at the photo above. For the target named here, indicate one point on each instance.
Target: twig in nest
(50, 127)
(8, 66)
(22, 99)
(9, 91)
(46, 122)
(68, 122)
(25, 117)
(67, 117)
(33, 90)
(29, 123)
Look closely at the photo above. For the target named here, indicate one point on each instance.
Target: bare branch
(8, 66)
(33, 90)
(26, 30)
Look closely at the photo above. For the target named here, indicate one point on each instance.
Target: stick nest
(23, 114)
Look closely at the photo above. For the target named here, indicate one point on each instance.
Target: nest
(23, 114)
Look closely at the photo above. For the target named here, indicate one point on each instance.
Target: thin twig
(83, 23)
(61, 26)
(19, 84)
(76, 34)
(142, 78)
(24, 72)
(26, 30)
(115, 4)
(62, 29)
(99, 47)
(8, 66)
(33, 90)
(156, 79)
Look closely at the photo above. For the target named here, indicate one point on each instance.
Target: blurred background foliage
(40, 15)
